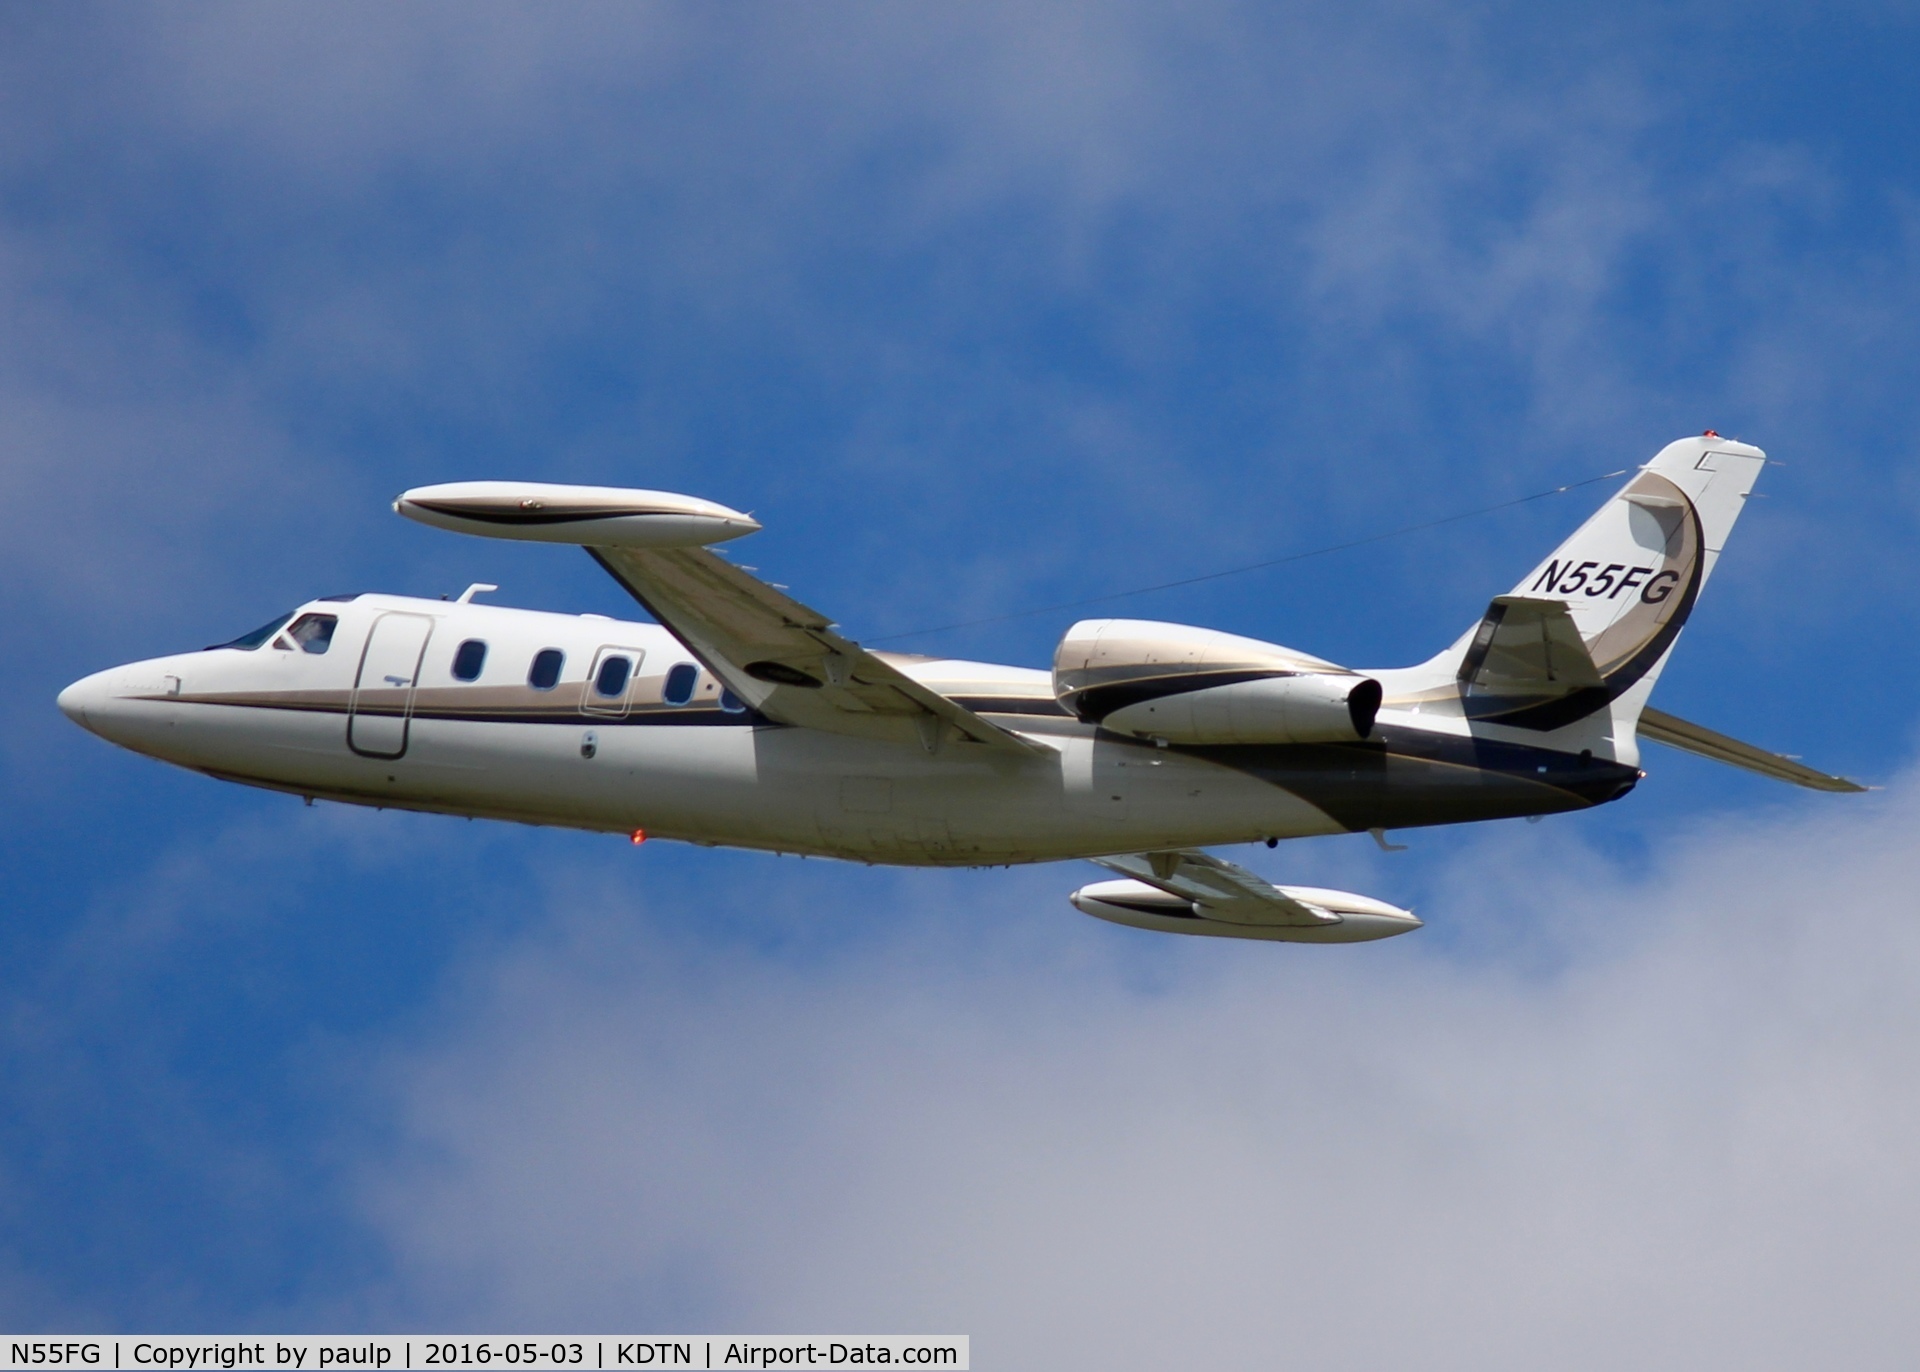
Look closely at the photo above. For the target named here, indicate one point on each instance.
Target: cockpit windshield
(313, 632)
(248, 642)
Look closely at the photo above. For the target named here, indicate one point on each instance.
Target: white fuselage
(349, 724)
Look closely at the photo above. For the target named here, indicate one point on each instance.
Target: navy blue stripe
(540, 516)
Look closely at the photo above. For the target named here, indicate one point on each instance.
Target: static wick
(639, 837)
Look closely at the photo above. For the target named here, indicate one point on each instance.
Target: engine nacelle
(1360, 919)
(1316, 708)
(1198, 686)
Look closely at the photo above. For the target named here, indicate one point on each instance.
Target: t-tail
(1588, 631)
(1571, 653)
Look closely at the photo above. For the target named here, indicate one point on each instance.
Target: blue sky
(979, 309)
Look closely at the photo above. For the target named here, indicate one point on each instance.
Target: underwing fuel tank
(597, 516)
(1356, 918)
(1181, 684)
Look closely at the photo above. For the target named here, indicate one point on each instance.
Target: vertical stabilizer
(1628, 579)
(1653, 544)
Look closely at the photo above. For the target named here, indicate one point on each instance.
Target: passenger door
(383, 692)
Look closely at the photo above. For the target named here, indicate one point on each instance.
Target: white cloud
(1675, 1131)
(430, 206)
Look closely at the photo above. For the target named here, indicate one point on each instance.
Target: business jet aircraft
(744, 718)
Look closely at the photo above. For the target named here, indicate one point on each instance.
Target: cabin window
(546, 669)
(248, 642)
(680, 683)
(468, 659)
(732, 703)
(612, 681)
(314, 633)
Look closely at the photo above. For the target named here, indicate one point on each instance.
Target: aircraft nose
(73, 702)
(126, 705)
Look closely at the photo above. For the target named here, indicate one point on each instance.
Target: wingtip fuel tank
(1354, 918)
(597, 516)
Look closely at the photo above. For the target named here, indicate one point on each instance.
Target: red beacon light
(1710, 433)
(639, 836)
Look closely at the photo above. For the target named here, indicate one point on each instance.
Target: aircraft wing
(785, 659)
(1230, 894)
(1692, 738)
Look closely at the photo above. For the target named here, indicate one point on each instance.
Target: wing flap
(1703, 742)
(785, 659)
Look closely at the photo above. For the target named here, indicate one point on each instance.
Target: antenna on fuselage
(466, 596)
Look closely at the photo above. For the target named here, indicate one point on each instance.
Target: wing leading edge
(784, 658)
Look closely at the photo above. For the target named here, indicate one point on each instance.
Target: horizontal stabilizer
(1675, 732)
(1528, 647)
